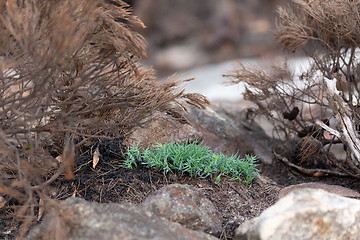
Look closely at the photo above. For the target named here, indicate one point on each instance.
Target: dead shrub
(69, 73)
(322, 103)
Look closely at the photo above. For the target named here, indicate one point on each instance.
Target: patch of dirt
(110, 183)
(236, 202)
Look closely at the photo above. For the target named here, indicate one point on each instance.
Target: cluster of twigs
(69, 73)
(307, 107)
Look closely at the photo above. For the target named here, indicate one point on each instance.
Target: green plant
(193, 159)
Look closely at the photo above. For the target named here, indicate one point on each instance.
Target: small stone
(339, 190)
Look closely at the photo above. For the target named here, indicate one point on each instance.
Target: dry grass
(332, 23)
(69, 74)
(303, 107)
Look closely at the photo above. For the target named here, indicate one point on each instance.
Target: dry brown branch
(309, 147)
(348, 134)
(310, 172)
(333, 24)
(70, 68)
(301, 107)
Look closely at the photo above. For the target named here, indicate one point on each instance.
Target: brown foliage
(69, 73)
(332, 23)
(307, 107)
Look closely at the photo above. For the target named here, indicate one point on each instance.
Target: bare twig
(310, 172)
(309, 105)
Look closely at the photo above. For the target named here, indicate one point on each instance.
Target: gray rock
(186, 205)
(161, 128)
(242, 138)
(93, 221)
(217, 123)
(306, 214)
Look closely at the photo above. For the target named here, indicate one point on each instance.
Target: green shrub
(193, 159)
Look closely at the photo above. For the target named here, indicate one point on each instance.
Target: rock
(306, 214)
(237, 110)
(221, 134)
(335, 189)
(218, 124)
(93, 221)
(161, 128)
(185, 205)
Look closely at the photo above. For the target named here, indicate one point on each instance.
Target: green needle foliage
(193, 159)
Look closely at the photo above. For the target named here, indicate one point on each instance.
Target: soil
(236, 202)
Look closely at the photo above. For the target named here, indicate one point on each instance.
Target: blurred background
(183, 34)
(203, 39)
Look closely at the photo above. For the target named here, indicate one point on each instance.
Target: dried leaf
(59, 158)
(2, 202)
(68, 158)
(41, 209)
(96, 157)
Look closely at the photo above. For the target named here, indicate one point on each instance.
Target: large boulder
(162, 128)
(93, 221)
(222, 134)
(186, 205)
(306, 214)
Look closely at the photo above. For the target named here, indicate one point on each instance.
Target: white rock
(306, 214)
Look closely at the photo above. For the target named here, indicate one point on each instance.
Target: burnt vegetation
(319, 109)
(69, 76)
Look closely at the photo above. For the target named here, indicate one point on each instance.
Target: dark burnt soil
(108, 182)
